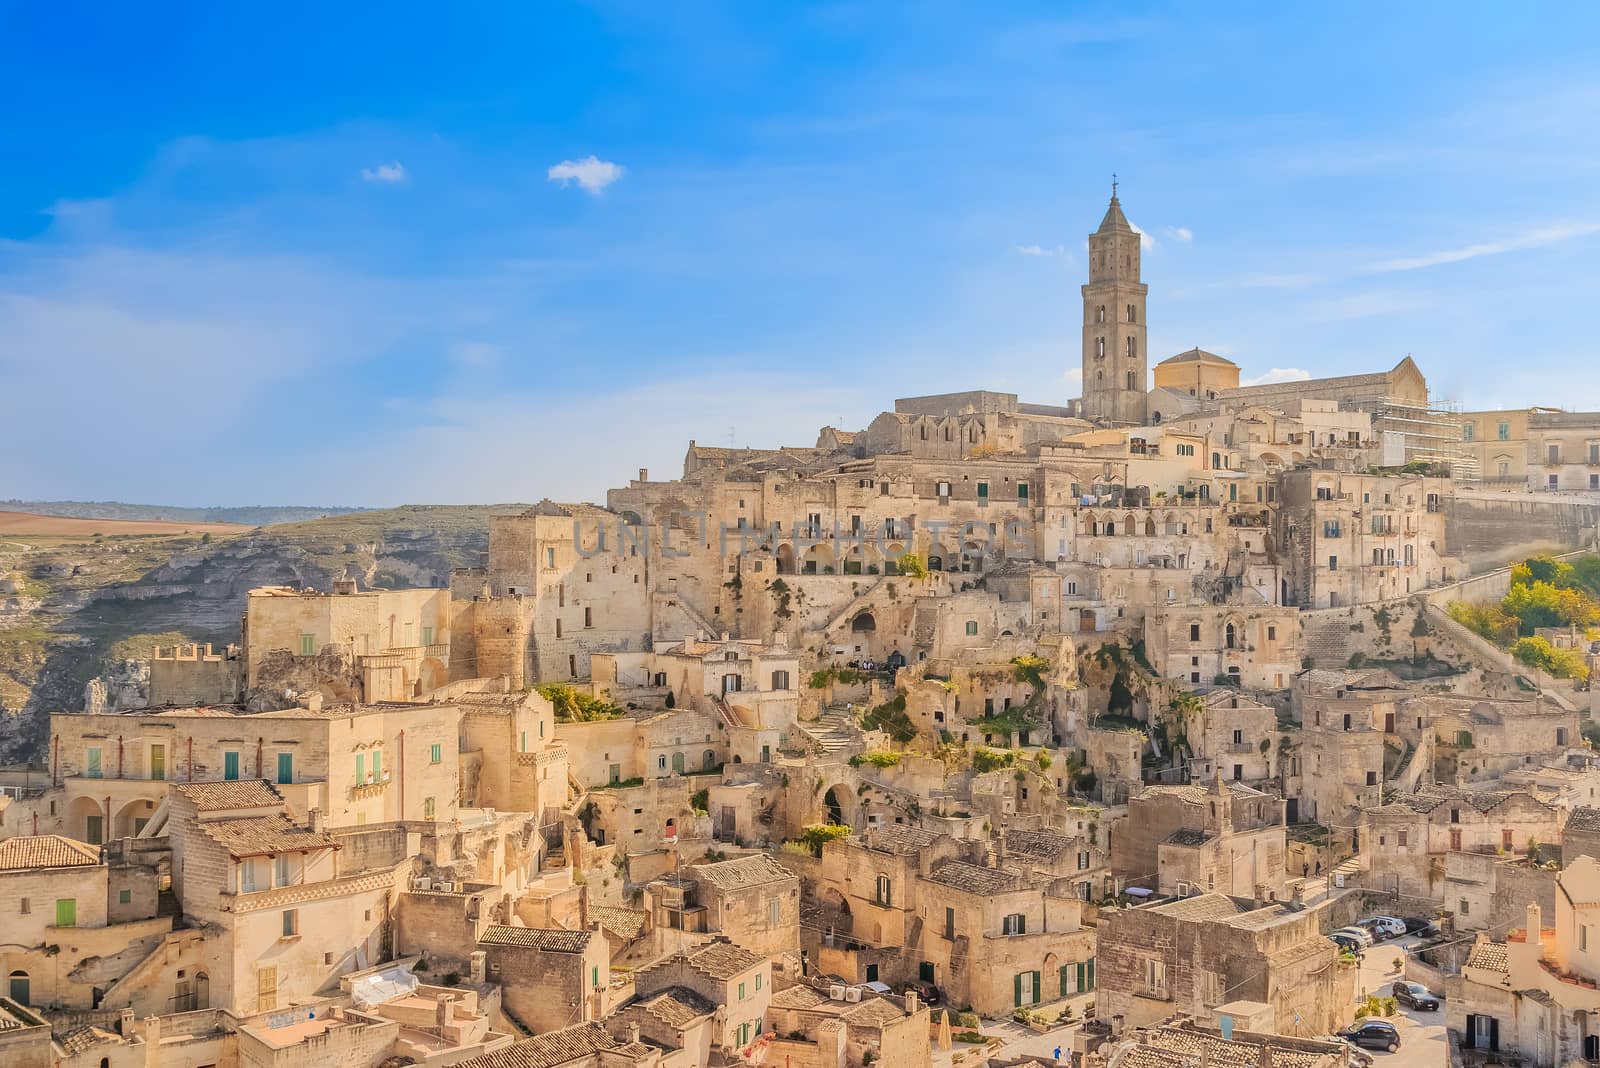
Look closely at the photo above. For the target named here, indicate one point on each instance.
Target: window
(1083, 860)
(983, 491)
(25, 906)
(1503, 431)
(1400, 839)
(427, 635)
(1330, 528)
(741, 992)
(436, 754)
(280, 871)
(1132, 314)
(1238, 737)
(308, 645)
(1132, 380)
(1467, 431)
(124, 897)
(549, 558)
(972, 627)
(1505, 838)
(361, 768)
(158, 762)
(1333, 563)
(780, 680)
(949, 923)
(758, 982)
(1372, 778)
(1014, 924)
(1022, 491)
(377, 765)
(1455, 838)
(66, 912)
(1155, 978)
(291, 923)
(884, 890)
(944, 489)
(1272, 633)
(1194, 632)
(522, 740)
(588, 617)
(1133, 350)
(427, 808)
(285, 768)
(774, 912)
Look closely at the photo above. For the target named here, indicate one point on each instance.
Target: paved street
(1421, 1033)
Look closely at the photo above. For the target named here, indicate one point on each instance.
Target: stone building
(1115, 349)
(1563, 451)
(1535, 996)
(549, 979)
(1226, 838)
(586, 1045)
(1195, 954)
(1200, 374)
(1353, 538)
(753, 901)
(564, 581)
(1236, 737)
(729, 976)
(1254, 646)
(287, 920)
(349, 645)
(1580, 835)
(888, 1031)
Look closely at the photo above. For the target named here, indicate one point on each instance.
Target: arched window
(1099, 376)
(1100, 347)
(1133, 348)
(1100, 314)
(1132, 382)
(427, 808)
(947, 433)
(1229, 636)
(885, 894)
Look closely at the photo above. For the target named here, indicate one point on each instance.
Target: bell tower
(1115, 378)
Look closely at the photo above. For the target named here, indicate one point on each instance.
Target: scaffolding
(1431, 434)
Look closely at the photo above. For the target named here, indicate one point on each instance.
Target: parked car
(926, 992)
(1382, 927)
(1417, 925)
(1416, 996)
(1362, 936)
(1373, 1034)
(1346, 943)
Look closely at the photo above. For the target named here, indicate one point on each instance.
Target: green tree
(912, 565)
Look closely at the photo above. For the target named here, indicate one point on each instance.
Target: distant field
(19, 524)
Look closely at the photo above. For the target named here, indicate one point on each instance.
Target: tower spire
(1113, 185)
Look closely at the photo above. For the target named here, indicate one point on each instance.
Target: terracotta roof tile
(84, 1038)
(545, 939)
(46, 851)
(1490, 956)
(259, 836)
(677, 1006)
(549, 1050)
(971, 879)
(899, 839)
(742, 872)
(240, 793)
(626, 924)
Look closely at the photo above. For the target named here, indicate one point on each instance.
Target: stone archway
(833, 804)
(863, 623)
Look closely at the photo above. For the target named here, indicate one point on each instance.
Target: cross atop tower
(1113, 185)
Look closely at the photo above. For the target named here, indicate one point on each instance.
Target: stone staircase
(834, 733)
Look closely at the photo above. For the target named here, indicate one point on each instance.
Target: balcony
(370, 788)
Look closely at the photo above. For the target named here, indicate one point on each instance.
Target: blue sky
(500, 252)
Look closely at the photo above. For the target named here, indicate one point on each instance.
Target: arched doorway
(834, 806)
(86, 821)
(785, 559)
(863, 624)
(19, 987)
(677, 763)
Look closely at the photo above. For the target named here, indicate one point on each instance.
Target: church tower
(1115, 383)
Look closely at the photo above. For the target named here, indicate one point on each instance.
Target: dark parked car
(1416, 996)
(926, 992)
(1418, 926)
(1373, 1034)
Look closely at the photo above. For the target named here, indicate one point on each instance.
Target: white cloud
(1146, 241)
(591, 173)
(1277, 374)
(1072, 378)
(474, 354)
(1040, 250)
(394, 171)
(1180, 233)
(1536, 238)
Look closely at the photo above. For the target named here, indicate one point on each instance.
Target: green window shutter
(983, 491)
(377, 765)
(361, 768)
(1064, 989)
(93, 769)
(285, 768)
(1022, 491)
(1016, 990)
(437, 754)
(427, 635)
(66, 912)
(1090, 983)
(1035, 987)
(308, 645)
(230, 766)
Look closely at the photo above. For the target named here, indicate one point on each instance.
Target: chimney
(1266, 1055)
(125, 1024)
(477, 966)
(1535, 926)
(310, 700)
(644, 474)
(633, 1031)
(724, 635)
(911, 1003)
(1205, 1051)
(583, 907)
(830, 1044)
(318, 821)
(444, 1012)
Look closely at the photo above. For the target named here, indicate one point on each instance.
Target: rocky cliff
(73, 610)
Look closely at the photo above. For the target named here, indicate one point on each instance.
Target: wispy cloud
(477, 354)
(1040, 250)
(1277, 374)
(591, 173)
(1146, 241)
(388, 173)
(1180, 233)
(1536, 238)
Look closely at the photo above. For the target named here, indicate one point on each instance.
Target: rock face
(77, 611)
